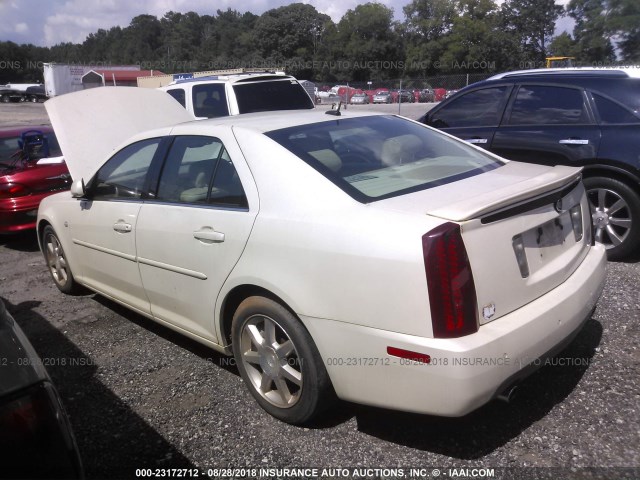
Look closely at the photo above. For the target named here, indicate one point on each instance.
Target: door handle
(209, 235)
(478, 141)
(573, 141)
(122, 227)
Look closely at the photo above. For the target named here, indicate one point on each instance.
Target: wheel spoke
(615, 238)
(283, 390)
(254, 334)
(265, 384)
(598, 234)
(601, 199)
(285, 349)
(621, 222)
(251, 357)
(50, 249)
(292, 375)
(616, 207)
(270, 332)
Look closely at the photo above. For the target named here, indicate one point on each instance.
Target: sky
(48, 22)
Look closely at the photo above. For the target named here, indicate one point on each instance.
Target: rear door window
(548, 105)
(480, 108)
(210, 100)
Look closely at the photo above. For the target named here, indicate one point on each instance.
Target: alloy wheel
(611, 216)
(271, 361)
(56, 260)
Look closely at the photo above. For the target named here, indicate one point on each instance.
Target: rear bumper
(464, 373)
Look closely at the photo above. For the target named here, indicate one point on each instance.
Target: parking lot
(142, 397)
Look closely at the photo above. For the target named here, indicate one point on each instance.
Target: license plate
(550, 239)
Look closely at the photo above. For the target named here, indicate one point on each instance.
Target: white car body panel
(466, 372)
(353, 273)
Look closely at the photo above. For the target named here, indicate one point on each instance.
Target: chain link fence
(426, 89)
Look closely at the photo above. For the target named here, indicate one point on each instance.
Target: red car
(31, 168)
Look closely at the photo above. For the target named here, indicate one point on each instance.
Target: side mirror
(77, 189)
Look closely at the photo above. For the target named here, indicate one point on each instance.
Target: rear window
(271, 95)
(209, 100)
(372, 158)
(548, 105)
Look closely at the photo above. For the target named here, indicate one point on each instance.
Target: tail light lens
(11, 190)
(452, 293)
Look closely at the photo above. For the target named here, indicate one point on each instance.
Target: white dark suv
(223, 95)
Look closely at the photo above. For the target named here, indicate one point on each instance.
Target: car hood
(90, 124)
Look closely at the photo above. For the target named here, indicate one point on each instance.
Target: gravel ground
(141, 396)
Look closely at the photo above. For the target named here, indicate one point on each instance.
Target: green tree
(368, 44)
(473, 43)
(563, 46)
(623, 21)
(592, 43)
(427, 25)
(532, 23)
(288, 36)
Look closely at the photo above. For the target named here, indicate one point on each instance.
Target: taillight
(452, 293)
(10, 190)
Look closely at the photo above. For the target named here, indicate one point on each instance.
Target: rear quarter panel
(326, 255)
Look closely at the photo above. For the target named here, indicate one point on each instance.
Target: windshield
(372, 158)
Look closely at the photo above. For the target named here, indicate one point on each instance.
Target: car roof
(275, 120)
(242, 77)
(608, 72)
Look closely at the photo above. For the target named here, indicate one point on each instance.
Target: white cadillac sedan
(352, 255)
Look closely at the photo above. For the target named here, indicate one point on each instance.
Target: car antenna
(334, 112)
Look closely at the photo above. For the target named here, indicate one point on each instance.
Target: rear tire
(615, 213)
(57, 264)
(279, 362)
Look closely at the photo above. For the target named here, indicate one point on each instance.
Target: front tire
(279, 362)
(57, 262)
(615, 213)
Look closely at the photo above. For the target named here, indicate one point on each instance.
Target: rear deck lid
(526, 228)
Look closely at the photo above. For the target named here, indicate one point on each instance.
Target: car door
(473, 116)
(103, 227)
(548, 124)
(190, 237)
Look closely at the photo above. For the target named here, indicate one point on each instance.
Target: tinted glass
(480, 108)
(187, 172)
(123, 176)
(613, 113)
(179, 95)
(271, 95)
(548, 105)
(199, 170)
(210, 100)
(378, 157)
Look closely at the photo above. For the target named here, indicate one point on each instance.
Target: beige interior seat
(400, 149)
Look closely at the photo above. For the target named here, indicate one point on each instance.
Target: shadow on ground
(112, 439)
